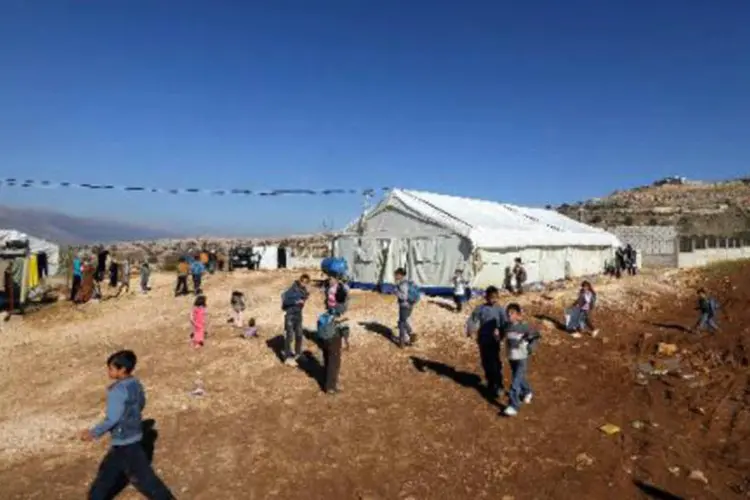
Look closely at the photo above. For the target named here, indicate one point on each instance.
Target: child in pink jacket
(198, 321)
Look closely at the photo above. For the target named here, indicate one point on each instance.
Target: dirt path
(409, 424)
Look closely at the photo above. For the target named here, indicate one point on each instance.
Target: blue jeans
(519, 386)
(706, 321)
(404, 328)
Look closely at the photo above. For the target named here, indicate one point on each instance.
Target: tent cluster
(433, 235)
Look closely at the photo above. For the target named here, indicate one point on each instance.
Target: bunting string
(30, 184)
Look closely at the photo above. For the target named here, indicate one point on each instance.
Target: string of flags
(30, 183)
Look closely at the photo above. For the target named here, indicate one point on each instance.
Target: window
(711, 242)
(699, 243)
(686, 244)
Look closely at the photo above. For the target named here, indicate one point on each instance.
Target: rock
(583, 460)
(675, 471)
(698, 475)
(664, 349)
(637, 424)
(372, 411)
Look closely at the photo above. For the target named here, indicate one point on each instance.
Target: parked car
(240, 258)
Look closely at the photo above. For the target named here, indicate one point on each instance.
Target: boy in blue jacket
(487, 322)
(126, 459)
(292, 303)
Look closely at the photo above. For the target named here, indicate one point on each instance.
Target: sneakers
(576, 335)
(527, 399)
(510, 412)
(291, 361)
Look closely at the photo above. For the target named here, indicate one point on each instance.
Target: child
(251, 332)
(145, 275)
(292, 303)
(707, 307)
(126, 458)
(520, 340)
(487, 321)
(238, 306)
(125, 280)
(519, 273)
(459, 290)
(406, 335)
(584, 307)
(198, 322)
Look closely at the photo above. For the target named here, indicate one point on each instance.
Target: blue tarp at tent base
(388, 288)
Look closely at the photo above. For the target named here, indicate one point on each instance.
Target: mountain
(694, 207)
(68, 229)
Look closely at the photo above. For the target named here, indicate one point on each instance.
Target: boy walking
(708, 307)
(488, 320)
(182, 274)
(126, 459)
(292, 303)
(406, 335)
(521, 340)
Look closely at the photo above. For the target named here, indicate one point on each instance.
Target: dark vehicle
(241, 258)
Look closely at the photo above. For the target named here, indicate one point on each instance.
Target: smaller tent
(36, 245)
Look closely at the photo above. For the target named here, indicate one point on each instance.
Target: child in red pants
(198, 322)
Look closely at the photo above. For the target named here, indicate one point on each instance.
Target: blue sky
(528, 102)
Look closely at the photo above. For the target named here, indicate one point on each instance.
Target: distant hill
(694, 207)
(67, 229)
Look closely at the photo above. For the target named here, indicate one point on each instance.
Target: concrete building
(663, 246)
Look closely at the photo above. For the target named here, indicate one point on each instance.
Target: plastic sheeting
(37, 245)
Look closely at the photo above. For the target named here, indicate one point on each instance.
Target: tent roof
(496, 225)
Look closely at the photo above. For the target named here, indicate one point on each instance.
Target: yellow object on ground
(609, 429)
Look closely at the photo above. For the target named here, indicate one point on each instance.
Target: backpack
(326, 326)
(413, 293)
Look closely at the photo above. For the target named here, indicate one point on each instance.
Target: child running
(238, 307)
(198, 322)
(487, 321)
(520, 340)
(707, 306)
(585, 306)
(126, 459)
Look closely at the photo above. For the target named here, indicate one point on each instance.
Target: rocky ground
(409, 424)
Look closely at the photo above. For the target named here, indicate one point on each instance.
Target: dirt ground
(410, 424)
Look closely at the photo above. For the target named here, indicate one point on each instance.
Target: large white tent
(432, 235)
(36, 245)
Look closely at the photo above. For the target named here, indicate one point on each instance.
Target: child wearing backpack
(708, 307)
(408, 295)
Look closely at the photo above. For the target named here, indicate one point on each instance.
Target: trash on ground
(609, 429)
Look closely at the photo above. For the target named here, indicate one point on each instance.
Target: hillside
(68, 229)
(694, 207)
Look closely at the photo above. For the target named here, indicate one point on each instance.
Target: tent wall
(395, 221)
(269, 256)
(429, 261)
(542, 264)
(36, 245)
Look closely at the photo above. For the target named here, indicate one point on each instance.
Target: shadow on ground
(464, 379)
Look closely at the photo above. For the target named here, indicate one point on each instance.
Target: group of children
(89, 273)
(493, 325)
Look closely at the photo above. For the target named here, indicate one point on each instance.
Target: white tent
(432, 235)
(37, 245)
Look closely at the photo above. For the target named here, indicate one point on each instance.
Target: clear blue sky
(529, 102)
